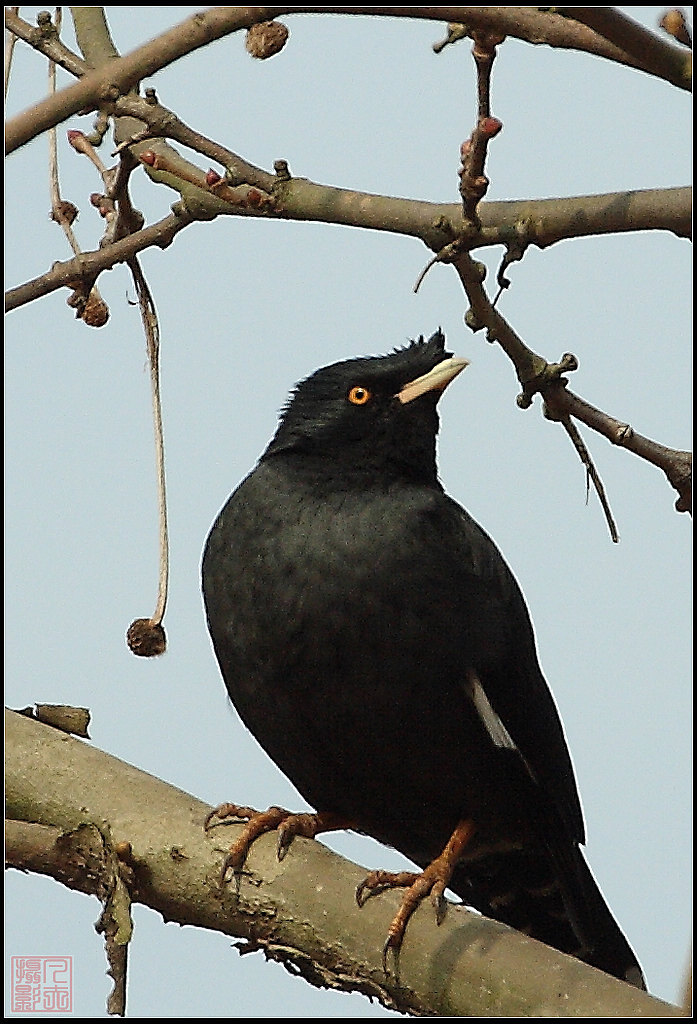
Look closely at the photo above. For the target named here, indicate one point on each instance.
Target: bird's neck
(325, 473)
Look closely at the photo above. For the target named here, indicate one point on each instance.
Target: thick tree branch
(648, 49)
(123, 73)
(518, 223)
(300, 911)
(538, 222)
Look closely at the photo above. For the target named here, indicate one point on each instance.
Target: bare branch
(537, 375)
(645, 47)
(302, 911)
(676, 464)
(47, 43)
(539, 222)
(104, 84)
(88, 265)
(10, 40)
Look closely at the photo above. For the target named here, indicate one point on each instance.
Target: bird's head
(375, 415)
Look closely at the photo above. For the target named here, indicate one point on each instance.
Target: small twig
(438, 258)
(446, 255)
(473, 181)
(211, 181)
(454, 34)
(676, 464)
(10, 40)
(536, 374)
(591, 473)
(89, 305)
(81, 144)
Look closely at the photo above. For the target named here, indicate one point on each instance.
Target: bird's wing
(504, 679)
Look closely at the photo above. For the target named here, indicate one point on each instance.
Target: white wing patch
(494, 726)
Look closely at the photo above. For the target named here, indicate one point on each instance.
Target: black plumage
(374, 641)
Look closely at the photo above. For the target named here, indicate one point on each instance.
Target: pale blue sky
(247, 308)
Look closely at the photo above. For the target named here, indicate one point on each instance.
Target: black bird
(374, 641)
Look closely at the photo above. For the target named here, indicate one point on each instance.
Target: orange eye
(359, 395)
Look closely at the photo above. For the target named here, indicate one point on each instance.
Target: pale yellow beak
(436, 379)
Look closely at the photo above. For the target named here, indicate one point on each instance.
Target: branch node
(46, 27)
(281, 170)
(454, 34)
(473, 322)
(550, 374)
(99, 128)
(624, 433)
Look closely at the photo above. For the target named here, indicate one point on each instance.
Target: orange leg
(432, 880)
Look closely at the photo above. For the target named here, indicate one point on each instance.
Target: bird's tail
(561, 905)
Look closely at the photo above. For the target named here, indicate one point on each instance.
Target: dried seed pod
(96, 311)
(65, 212)
(146, 638)
(266, 39)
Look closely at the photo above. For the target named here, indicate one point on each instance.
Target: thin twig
(674, 463)
(591, 474)
(60, 213)
(152, 335)
(86, 299)
(536, 374)
(454, 34)
(10, 40)
(473, 181)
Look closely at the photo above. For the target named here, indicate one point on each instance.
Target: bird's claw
(224, 811)
(258, 823)
(286, 835)
(393, 944)
(418, 885)
(378, 881)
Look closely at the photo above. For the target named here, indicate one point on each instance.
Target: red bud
(490, 126)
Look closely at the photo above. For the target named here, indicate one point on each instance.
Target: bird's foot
(418, 884)
(433, 881)
(286, 824)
